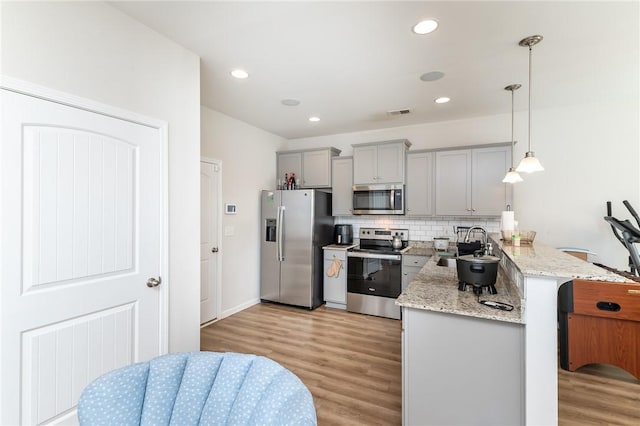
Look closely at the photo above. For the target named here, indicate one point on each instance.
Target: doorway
(82, 245)
(210, 227)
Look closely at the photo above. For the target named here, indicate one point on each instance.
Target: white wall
(92, 50)
(248, 166)
(590, 152)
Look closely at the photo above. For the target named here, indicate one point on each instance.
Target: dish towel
(334, 269)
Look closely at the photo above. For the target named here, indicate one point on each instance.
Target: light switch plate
(229, 231)
(230, 208)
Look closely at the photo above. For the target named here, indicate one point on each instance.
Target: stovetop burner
(478, 289)
(380, 240)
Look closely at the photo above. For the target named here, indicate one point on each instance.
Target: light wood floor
(351, 363)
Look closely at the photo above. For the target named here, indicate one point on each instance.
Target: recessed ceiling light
(314, 119)
(432, 76)
(290, 102)
(239, 73)
(425, 27)
(442, 100)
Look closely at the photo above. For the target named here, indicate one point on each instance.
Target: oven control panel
(383, 234)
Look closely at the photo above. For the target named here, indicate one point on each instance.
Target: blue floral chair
(198, 388)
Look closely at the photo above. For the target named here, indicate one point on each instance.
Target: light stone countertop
(419, 251)
(435, 288)
(339, 246)
(544, 261)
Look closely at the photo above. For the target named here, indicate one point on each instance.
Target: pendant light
(512, 175)
(530, 163)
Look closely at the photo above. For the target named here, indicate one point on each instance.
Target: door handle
(214, 249)
(154, 282)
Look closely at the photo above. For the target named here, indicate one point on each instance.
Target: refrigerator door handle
(280, 226)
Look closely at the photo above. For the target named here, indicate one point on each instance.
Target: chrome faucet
(483, 247)
(484, 232)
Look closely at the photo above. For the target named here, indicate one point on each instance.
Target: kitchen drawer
(414, 260)
(408, 274)
(339, 254)
(589, 333)
(335, 287)
(607, 299)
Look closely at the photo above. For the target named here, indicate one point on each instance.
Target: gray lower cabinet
(411, 265)
(341, 186)
(335, 287)
(461, 370)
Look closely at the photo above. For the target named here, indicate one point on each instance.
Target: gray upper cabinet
(289, 162)
(469, 181)
(312, 167)
(419, 186)
(453, 183)
(379, 163)
(342, 180)
(488, 166)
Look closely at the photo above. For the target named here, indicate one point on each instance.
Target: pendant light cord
(529, 142)
(513, 142)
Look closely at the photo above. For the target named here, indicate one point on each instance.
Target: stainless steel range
(374, 272)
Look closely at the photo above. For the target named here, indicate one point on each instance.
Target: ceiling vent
(398, 112)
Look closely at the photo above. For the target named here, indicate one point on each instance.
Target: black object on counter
(478, 271)
(497, 305)
(343, 234)
(469, 248)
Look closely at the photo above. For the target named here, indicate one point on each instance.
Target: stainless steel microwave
(378, 199)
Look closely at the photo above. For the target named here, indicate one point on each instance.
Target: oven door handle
(365, 255)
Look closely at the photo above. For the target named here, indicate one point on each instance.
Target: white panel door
(209, 221)
(81, 228)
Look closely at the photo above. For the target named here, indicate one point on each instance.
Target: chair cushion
(198, 388)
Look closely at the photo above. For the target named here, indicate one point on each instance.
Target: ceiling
(348, 63)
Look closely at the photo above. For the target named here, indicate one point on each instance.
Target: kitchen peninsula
(465, 363)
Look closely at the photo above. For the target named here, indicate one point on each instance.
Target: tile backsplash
(420, 229)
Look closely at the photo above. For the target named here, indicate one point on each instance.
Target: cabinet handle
(473, 210)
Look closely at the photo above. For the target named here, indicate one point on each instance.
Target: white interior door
(81, 227)
(209, 243)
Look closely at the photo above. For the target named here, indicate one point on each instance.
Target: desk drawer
(607, 299)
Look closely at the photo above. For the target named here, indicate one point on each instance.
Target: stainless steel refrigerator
(295, 225)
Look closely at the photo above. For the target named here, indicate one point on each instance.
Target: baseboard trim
(237, 309)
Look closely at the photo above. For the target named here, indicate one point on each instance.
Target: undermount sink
(449, 262)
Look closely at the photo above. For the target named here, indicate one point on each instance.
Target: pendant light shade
(530, 163)
(512, 175)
